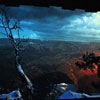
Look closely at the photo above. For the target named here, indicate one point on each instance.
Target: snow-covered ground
(11, 96)
(69, 91)
(74, 95)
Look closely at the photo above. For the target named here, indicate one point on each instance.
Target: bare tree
(9, 25)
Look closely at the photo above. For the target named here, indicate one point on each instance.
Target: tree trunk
(21, 72)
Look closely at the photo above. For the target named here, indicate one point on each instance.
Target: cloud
(87, 25)
(34, 36)
(54, 23)
(41, 13)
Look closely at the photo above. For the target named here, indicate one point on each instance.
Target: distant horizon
(58, 40)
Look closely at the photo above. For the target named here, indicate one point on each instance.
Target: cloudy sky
(54, 23)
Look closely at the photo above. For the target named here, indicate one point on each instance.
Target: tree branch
(8, 32)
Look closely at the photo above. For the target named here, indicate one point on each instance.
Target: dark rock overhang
(87, 5)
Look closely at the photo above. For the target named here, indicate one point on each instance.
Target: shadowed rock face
(53, 78)
(52, 60)
(82, 78)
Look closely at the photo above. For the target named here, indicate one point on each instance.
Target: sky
(55, 23)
